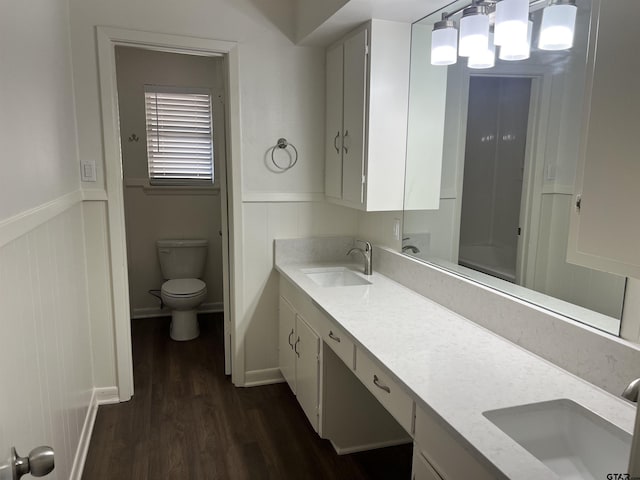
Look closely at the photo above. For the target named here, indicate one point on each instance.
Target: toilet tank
(182, 258)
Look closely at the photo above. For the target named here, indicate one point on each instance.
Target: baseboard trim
(107, 395)
(267, 376)
(370, 446)
(99, 396)
(214, 307)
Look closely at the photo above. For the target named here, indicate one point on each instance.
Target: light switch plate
(88, 170)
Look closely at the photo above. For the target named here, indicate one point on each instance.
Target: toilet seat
(183, 287)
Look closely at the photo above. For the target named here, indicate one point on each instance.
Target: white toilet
(182, 263)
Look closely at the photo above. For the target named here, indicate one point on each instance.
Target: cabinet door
(307, 350)
(355, 95)
(333, 130)
(286, 337)
(422, 470)
(605, 229)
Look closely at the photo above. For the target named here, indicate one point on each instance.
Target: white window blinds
(179, 136)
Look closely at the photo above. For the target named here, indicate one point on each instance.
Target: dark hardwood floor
(187, 421)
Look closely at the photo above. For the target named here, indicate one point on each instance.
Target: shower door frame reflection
(530, 203)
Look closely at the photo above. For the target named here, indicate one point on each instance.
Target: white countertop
(454, 366)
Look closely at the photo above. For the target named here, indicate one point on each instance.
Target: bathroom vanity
(449, 385)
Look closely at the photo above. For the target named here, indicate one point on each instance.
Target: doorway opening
(494, 170)
(230, 212)
(172, 136)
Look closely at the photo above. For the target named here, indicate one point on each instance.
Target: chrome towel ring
(282, 144)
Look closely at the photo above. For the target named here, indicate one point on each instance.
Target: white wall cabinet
(605, 227)
(299, 351)
(366, 117)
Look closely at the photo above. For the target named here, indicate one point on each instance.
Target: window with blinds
(179, 136)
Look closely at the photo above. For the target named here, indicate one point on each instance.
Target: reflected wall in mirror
(491, 163)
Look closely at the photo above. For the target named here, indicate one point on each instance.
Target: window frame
(160, 182)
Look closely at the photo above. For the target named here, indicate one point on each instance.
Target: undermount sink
(334, 277)
(570, 440)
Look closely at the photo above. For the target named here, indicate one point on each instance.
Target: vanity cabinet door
(605, 224)
(286, 339)
(307, 351)
(421, 469)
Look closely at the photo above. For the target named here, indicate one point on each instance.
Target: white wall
(156, 213)
(45, 352)
(264, 222)
(310, 14)
(37, 125)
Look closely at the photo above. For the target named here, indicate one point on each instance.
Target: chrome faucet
(367, 253)
(632, 391)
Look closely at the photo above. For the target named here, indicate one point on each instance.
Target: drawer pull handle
(333, 337)
(295, 347)
(381, 386)
(290, 335)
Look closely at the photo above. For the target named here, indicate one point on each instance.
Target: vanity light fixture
(444, 42)
(474, 30)
(485, 58)
(511, 23)
(513, 31)
(517, 50)
(558, 25)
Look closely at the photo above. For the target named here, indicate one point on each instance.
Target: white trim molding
(149, 189)
(22, 223)
(267, 376)
(138, 313)
(108, 38)
(94, 195)
(277, 197)
(99, 396)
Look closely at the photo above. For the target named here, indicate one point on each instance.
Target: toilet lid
(183, 286)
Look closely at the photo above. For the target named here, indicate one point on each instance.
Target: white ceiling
(355, 12)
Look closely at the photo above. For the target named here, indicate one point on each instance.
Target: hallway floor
(187, 421)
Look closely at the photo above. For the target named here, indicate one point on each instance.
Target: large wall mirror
(491, 162)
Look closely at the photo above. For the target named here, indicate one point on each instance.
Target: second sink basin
(334, 277)
(570, 440)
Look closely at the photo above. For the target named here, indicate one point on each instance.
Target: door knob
(39, 463)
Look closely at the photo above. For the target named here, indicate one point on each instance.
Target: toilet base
(184, 325)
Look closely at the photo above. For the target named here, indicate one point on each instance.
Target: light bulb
(485, 58)
(512, 18)
(517, 51)
(444, 42)
(558, 25)
(474, 31)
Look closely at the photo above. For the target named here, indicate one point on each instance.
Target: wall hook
(133, 138)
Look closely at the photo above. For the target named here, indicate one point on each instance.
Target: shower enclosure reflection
(492, 201)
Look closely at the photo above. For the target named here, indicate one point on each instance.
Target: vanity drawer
(339, 342)
(394, 399)
(446, 453)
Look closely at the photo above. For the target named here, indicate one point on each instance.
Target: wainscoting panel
(45, 344)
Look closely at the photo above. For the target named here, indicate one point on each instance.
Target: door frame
(108, 38)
